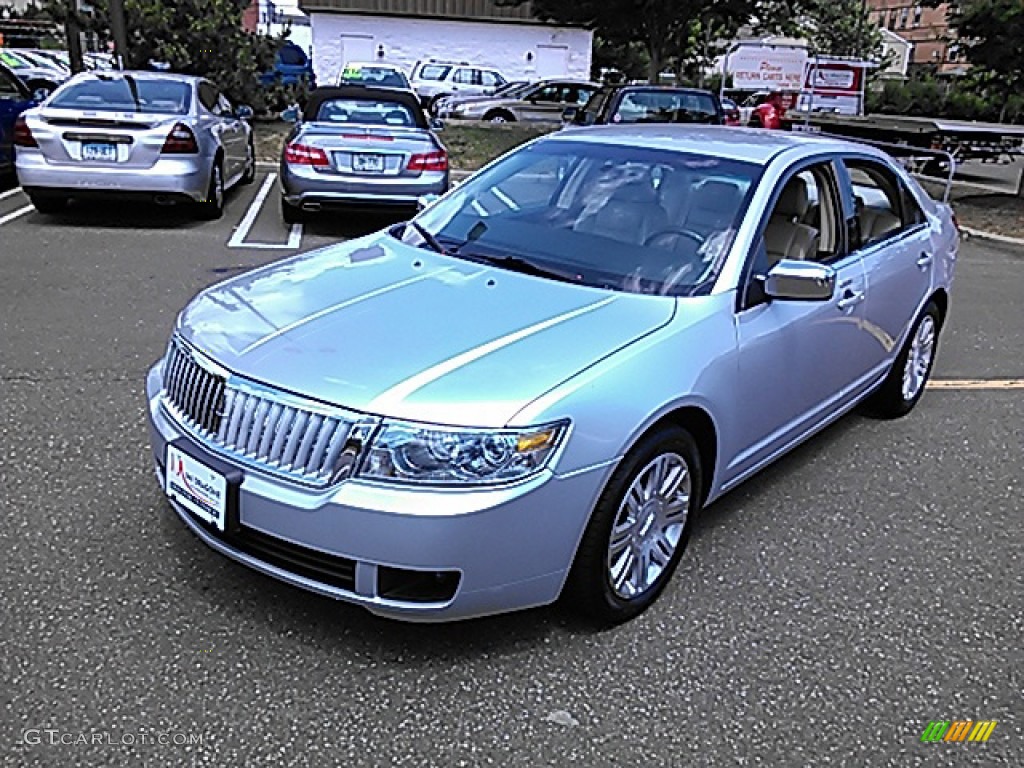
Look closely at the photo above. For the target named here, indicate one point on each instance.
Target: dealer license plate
(368, 163)
(106, 152)
(196, 487)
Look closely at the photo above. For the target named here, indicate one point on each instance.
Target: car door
(545, 103)
(14, 99)
(890, 233)
(235, 136)
(799, 363)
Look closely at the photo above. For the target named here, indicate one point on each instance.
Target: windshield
(616, 217)
(364, 112)
(666, 107)
(163, 97)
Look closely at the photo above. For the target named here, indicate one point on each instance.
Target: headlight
(423, 454)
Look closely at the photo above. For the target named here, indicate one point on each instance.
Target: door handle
(925, 260)
(850, 299)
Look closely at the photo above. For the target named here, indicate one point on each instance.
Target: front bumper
(508, 548)
(186, 176)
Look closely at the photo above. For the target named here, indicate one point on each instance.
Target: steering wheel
(673, 231)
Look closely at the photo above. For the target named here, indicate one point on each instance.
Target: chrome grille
(276, 432)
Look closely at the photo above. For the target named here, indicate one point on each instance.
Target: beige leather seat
(712, 207)
(875, 224)
(631, 215)
(786, 237)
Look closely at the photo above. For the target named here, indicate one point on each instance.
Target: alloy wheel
(919, 359)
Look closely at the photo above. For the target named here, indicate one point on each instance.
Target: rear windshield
(434, 72)
(383, 77)
(163, 97)
(665, 107)
(364, 112)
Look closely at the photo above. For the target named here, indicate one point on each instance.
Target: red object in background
(770, 114)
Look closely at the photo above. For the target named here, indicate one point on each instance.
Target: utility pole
(119, 32)
(74, 36)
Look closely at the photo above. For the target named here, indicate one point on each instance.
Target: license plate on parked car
(106, 152)
(201, 490)
(368, 163)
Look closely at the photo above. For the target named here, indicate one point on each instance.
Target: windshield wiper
(430, 240)
(526, 267)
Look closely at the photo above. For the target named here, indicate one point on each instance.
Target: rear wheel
(213, 206)
(48, 203)
(432, 104)
(906, 381)
(500, 116)
(291, 214)
(250, 165)
(639, 528)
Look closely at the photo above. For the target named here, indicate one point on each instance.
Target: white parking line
(15, 214)
(9, 193)
(976, 384)
(238, 238)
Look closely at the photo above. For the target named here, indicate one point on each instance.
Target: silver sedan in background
(533, 387)
(153, 136)
(357, 145)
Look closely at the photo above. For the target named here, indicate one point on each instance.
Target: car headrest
(635, 192)
(717, 196)
(794, 200)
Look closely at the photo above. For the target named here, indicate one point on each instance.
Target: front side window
(464, 77)
(884, 206)
(490, 79)
(126, 94)
(621, 218)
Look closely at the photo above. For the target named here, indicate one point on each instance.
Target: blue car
(14, 99)
(291, 66)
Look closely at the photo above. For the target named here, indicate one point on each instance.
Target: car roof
(750, 145)
(356, 91)
(140, 74)
(665, 88)
(373, 65)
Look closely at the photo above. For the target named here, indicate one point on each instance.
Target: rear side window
(467, 76)
(164, 97)
(665, 107)
(364, 112)
(434, 72)
(884, 206)
(8, 87)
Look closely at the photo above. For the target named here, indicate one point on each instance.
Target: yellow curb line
(976, 384)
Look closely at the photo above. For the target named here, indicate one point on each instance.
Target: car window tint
(385, 77)
(665, 107)
(549, 93)
(463, 76)
(881, 202)
(165, 97)
(208, 96)
(364, 112)
(631, 219)
(490, 79)
(579, 95)
(8, 87)
(434, 72)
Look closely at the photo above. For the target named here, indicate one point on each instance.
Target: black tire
(250, 169)
(891, 400)
(432, 104)
(589, 589)
(49, 203)
(212, 207)
(291, 214)
(499, 116)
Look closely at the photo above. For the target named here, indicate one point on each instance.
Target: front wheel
(639, 528)
(499, 117)
(906, 381)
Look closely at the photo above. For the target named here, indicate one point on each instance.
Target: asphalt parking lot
(824, 613)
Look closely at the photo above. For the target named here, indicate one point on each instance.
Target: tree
(195, 37)
(664, 27)
(991, 34)
(841, 28)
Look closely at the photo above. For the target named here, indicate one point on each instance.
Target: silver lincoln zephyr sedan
(532, 388)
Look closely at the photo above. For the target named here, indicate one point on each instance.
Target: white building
(481, 32)
(276, 16)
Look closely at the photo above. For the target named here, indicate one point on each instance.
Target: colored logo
(958, 730)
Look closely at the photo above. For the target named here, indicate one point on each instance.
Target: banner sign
(763, 68)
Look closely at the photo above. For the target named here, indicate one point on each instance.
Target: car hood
(381, 327)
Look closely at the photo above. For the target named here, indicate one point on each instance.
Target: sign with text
(768, 69)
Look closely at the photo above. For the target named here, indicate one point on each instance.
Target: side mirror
(800, 281)
(244, 112)
(425, 201)
(569, 114)
(436, 124)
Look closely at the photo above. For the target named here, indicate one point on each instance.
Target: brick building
(926, 28)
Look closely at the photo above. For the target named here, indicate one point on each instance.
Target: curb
(983, 235)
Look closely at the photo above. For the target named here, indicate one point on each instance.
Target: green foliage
(195, 37)
(975, 97)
